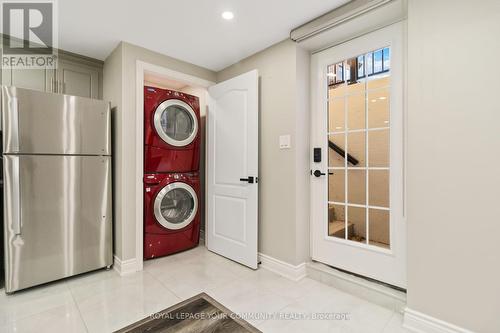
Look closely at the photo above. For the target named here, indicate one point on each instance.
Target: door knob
(249, 180)
(318, 173)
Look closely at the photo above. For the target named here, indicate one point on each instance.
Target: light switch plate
(285, 141)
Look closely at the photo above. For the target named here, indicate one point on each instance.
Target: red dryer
(171, 131)
(171, 213)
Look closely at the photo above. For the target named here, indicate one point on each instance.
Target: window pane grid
(356, 205)
(373, 63)
(359, 130)
(369, 90)
(363, 78)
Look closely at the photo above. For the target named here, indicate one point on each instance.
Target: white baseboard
(126, 266)
(422, 323)
(282, 268)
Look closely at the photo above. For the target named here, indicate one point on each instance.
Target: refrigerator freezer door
(35, 122)
(58, 217)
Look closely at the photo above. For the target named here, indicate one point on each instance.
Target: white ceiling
(190, 30)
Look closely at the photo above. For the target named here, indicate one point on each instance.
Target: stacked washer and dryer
(171, 172)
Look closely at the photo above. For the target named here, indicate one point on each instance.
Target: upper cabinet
(75, 75)
(78, 79)
(36, 79)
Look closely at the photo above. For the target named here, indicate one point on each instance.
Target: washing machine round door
(176, 206)
(175, 122)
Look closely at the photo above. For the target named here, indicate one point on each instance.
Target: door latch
(318, 173)
(249, 180)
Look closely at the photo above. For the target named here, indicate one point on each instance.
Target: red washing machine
(171, 131)
(171, 213)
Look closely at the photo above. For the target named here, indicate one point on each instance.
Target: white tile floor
(103, 301)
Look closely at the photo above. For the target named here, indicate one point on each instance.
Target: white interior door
(232, 169)
(357, 221)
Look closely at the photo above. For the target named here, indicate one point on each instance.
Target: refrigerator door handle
(14, 109)
(16, 197)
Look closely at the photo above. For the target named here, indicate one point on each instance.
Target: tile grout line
(178, 296)
(242, 278)
(50, 308)
(162, 284)
(295, 300)
(238, 277)
(77, 307)
(254, 278)
(388, 321)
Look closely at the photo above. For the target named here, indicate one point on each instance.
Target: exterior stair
(337, 229)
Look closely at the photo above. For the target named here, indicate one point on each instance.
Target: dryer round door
(176, 205)
(175, 122)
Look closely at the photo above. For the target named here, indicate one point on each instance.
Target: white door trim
(142, 68)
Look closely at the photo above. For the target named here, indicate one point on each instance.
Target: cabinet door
(78, 80)
(6, 77)
(35, 79)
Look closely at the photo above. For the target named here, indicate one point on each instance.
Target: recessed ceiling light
(227, 15)
(382, 97)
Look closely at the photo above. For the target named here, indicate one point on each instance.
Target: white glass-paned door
(357, 220)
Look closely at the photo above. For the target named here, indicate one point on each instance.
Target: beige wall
(284, 187)
(125, 136)
(453, 158)
(302, 158)
(112, 91)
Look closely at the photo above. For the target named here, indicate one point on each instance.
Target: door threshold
(382, 294)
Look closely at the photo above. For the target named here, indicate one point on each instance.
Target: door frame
(143, 68)
(317, 102)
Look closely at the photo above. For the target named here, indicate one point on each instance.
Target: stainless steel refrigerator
(57, 186)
